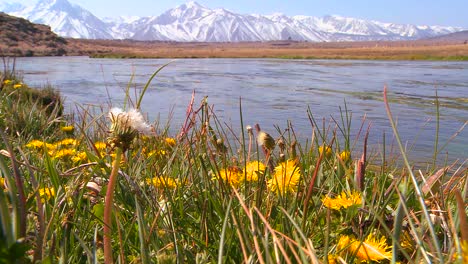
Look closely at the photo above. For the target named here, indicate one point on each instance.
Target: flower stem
(108, 259)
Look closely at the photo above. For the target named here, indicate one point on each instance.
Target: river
(275, 91)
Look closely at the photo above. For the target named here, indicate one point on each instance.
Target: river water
(274, 91)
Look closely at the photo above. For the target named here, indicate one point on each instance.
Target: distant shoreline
(369, 50)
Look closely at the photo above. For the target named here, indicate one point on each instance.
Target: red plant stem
(361, 165)
(108, 259)
(312, 183)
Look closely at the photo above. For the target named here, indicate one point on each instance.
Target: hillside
(19, 37)
(461, 36)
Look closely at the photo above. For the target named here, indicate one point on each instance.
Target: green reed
(196, 196)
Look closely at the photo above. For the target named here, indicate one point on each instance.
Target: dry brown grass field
(388, 50)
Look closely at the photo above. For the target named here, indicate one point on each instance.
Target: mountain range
(193, 22)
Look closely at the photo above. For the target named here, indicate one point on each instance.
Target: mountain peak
(192, 21)
(60, 5)
(191, 5)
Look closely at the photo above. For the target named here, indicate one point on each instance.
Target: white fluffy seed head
(132, 119)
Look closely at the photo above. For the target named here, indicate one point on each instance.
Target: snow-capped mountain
(65, 19)
(11, 7)
(194, 22)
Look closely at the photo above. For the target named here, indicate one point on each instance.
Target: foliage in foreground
(211, 194)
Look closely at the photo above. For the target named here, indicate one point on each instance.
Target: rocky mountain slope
(19, 37)
(194, 22)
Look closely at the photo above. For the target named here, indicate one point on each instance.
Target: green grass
(187, 197)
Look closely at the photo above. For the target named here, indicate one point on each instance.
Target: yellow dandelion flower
(35, 144)
(6, 82)
(156, 153)
(64, 153)
(231, 175)
(80, 157)
(66, 142)
(2, 183)
(345, 155)
(286, 178)
(327, 149)
(18, 85)
(170, 141)
(50, 146)
(163, 182)
(332, 259)
(100, 145)
(46, 194)
(252, 170)
(342, 201)
(464, 247)
(67, 129)
(406, 242)
(371, 249)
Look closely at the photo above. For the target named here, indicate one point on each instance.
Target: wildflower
(67, 129)
(464, 246)
(163, 182)
(35, 144)
(100, 145)
(64, 153)
(252, 170)
(231, 175)
(156, 153)
(6, 82)
(326, 149)
(18, 85)
(371, 249)
(406, 242)
(66, 142)
(342, 201)
(170, 141)
(2, 183)
(126, 126)
(285, 178)
(345, 156)
(46, 194)
(332, 259)
(80, 157)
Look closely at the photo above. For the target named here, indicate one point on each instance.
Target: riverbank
(108, 185)
(376, 50)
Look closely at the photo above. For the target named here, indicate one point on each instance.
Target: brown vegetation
(408, 50)
(19, 37)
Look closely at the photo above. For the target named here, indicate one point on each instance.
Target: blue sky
(421, 12)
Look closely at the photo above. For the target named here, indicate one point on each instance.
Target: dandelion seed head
(125, 126)
(264, 139)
